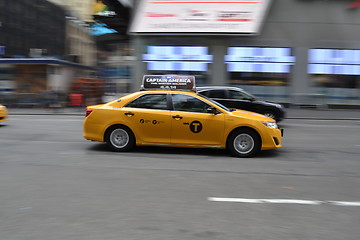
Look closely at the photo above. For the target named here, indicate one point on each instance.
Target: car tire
(270, 114)
(244, 143)
(120, 138)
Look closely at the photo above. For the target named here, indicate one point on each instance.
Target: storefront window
(185, 60)
(6, 83)
(263, 71)
(335, 74)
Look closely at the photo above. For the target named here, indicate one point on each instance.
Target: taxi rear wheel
(120, 138)
(244, 143)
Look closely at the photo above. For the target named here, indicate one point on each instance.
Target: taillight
(88, 111)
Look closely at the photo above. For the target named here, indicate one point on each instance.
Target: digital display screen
(177, 58)
(259, 59)
(334, 61)
(2, 50)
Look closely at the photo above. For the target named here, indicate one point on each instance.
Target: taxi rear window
(150, 101)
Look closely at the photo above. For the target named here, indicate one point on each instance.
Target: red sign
(355, 4)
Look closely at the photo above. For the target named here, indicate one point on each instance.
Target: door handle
(177, 117)
(129, 114)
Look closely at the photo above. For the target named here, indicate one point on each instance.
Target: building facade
(80, 44)
(42, 48)
(83, 9)
(305, 52)
(31, 30)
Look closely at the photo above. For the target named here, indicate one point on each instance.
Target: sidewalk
(80, 111)
(323, 114)
(291, 113)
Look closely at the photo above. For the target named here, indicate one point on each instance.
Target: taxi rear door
(149, 117)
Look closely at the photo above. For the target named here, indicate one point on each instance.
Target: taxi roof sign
(168, 82)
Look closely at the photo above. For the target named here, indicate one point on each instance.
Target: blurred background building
(81, 9)
(289, 51)
(31, 28)
(44, 48)
(80, 43)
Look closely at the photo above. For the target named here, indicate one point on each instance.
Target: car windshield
(216, 103)
(250, 95)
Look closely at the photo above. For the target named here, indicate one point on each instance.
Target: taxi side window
(189, 104)
(150, 101)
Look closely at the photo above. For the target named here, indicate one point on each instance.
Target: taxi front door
(191, 127)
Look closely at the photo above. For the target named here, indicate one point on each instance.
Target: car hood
(267, 103)
(251, 115)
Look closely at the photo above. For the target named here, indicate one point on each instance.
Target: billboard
(196, 17)
(100, 10)
(177, 58)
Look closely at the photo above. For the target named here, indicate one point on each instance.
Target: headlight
(270, 124)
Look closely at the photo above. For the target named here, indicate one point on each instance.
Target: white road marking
(288, 201)
(293, 201)
(346, 204)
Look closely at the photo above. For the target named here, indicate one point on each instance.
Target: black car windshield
(216, 103)
(250, 95)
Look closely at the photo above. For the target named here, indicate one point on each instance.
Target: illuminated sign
(259, 59)
(98, 29)
(169, 82)
(334, 61)
(355, 4)
(177, 58)
(2, 50)
(199, 17)
(100, 9)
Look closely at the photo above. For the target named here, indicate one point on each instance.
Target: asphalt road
(56, 185)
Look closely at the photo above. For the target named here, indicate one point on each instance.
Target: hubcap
(243, 143)
(119, 138)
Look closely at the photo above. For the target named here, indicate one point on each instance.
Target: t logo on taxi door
(195, 126)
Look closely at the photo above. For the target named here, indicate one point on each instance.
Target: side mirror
(212, 110)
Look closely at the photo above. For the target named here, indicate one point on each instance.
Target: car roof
(202, 88)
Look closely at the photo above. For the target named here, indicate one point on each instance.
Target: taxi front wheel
(244, 143)
(120, 138)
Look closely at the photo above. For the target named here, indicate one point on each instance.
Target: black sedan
(234, 97)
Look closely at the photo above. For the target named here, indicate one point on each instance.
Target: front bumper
(273, 139)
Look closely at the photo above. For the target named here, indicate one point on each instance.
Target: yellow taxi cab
(169, 112)
(3, 113)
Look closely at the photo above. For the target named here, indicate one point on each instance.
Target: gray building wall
(298, 24)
